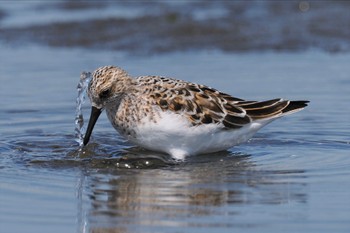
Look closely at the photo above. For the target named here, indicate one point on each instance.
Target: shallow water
(293, 176)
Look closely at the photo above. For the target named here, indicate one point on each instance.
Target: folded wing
(205, 105)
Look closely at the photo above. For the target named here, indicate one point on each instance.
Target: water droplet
(83, 84)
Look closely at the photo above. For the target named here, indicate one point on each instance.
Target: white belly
(173, 134)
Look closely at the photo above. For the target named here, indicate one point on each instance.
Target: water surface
(293, 176)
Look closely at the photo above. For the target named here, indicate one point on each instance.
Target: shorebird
(177, 117)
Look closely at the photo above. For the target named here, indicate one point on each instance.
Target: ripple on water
(190, 193)
(23, 191)
(125, 183)
(61, 151)
(53, 150)
(313, 159)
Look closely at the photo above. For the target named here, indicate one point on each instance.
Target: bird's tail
(272, 108)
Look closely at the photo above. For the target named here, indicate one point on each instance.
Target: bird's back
(205, 105)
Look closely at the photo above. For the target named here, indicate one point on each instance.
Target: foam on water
(83, 84)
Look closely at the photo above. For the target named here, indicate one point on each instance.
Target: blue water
(293, 176)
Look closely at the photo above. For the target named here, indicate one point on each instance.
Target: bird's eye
(104, 94)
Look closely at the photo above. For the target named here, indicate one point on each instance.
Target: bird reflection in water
(189, 194)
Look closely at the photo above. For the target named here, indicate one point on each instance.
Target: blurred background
(150, 27)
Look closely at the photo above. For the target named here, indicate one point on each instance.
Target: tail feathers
(272, 108)
(295, 106)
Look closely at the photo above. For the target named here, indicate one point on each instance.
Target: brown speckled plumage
(135, 102)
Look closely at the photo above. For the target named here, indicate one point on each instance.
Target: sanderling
(177, 117)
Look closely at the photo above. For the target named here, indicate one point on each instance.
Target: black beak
(95, 113)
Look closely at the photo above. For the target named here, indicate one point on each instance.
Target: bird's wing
(204, 105)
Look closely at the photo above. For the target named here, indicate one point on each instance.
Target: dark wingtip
(295, 105)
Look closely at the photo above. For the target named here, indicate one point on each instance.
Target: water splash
(83, 84)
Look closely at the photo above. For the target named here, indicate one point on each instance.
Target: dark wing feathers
(234, 110)
(231, 121)
(295, 105)
(258, 105)
(266, 109)
(205, 105)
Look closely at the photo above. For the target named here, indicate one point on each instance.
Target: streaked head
(108, 84)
